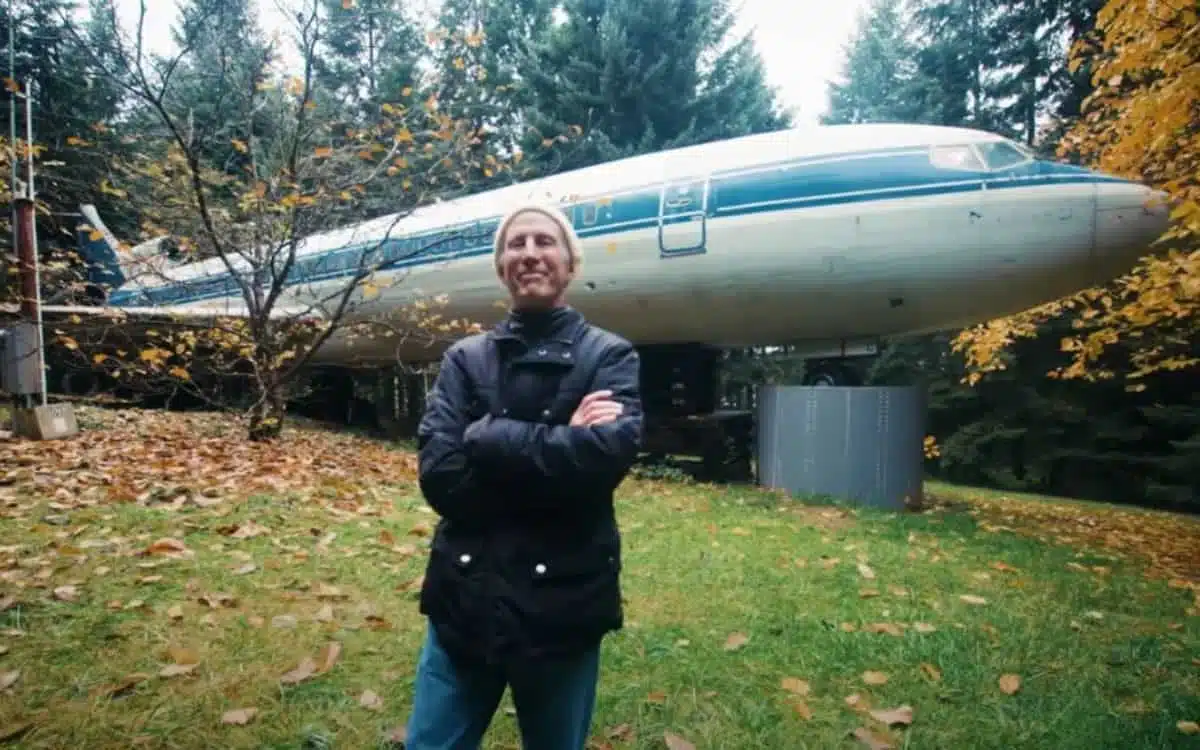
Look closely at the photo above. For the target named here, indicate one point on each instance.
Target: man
(528, 430)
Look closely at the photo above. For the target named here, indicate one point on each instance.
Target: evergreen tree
(73, 103)
(878, 75)
(957, 46)
(477, 54)
(370, 52)
(227, 51)
(623, 77)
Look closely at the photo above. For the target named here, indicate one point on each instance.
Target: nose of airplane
(1129, 218)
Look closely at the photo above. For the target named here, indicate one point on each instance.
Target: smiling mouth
(527, 277)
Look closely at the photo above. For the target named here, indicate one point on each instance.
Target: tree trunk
(266, 417)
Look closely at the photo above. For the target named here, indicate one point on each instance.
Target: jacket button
(566, 355)
(464, 558)
(540, 569)
(541, 352)
(546, 413)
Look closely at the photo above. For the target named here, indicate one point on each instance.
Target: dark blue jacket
(526, 558)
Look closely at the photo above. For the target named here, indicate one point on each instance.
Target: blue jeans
(453, 706)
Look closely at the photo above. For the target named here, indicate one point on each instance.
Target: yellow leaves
(154, 355)
(108, 188)
(239, 145)
(73, 140)
(1138, 124)
(323, 152)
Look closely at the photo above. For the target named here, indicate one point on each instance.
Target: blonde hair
(574, 247)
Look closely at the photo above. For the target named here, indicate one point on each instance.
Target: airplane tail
(98, 249)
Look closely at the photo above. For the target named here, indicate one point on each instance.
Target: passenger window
(955, 157)
(589, 214)
(1000, 155)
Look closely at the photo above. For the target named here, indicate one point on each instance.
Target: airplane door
(681, 218)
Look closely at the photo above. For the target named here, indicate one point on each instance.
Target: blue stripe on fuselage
(813, 181)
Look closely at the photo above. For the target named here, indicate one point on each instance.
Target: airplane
(830, 238)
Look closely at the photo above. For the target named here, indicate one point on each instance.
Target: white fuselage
(803, 235)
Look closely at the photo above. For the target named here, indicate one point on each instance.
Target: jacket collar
(562, 324)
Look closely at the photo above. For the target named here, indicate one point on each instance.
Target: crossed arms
(591, 455)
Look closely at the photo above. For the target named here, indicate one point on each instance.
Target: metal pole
(12, 110)
(33, 243)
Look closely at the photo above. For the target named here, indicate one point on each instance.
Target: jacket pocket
(452, 593)
(574, 594)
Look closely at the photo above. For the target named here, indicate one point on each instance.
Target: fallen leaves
(170, 548)
(902, 716)
(871, 739)
(736, 641)
(370, 700)
(872, 677)
(1168, 543)
(309, 667)
(179, 459)
(239, 716)
(795, 685)
(1010, 684)
(675, 742)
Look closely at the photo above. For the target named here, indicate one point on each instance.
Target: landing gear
(828, 373)
(680, 395)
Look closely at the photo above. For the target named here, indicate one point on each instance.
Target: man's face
(534, 264)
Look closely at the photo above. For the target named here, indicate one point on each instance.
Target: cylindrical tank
(859, 444)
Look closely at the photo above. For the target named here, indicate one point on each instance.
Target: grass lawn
(183, 614)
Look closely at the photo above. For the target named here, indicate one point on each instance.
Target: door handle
(678, 202)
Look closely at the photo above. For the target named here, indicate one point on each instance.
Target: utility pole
(25, 228)
(23, 368)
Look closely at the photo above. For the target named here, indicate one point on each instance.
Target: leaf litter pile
(1167, 543)
(268, 612)
(155, 456)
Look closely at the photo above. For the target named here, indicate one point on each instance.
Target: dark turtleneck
(538, 324)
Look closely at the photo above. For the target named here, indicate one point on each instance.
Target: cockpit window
(1003, 154)
(955, 157)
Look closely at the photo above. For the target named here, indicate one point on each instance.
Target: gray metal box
(19, 374)
(859, 444)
